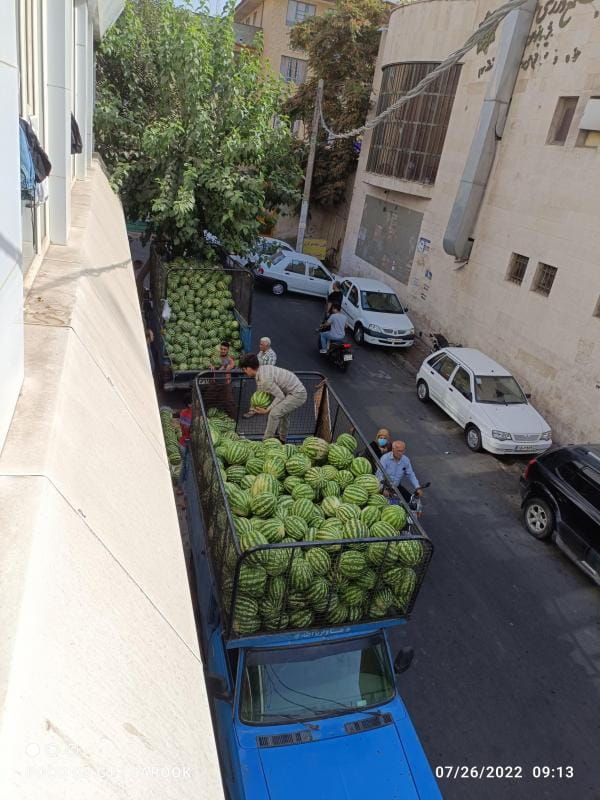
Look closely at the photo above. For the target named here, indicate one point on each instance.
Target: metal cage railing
(322, 415)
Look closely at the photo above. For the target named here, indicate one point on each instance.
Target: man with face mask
(381, 444)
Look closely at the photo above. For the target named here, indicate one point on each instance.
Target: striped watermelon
(296, 527)
(261, 400)
(273, 445)
(303, 490)
(235, 473)
(315, 477)
(329, 472)
(345, 478)
(296, 601)
(348, 441)
(361, 466)
(351, 564)
(382, 530)
(353, 595)
(366, 580)
(275, 590)
(290, 450)
(246, 626)
(339, 456)
(301, 574)
(355, 529)
(369, 515)
(367, 482)
(236, 452)
(247, 481)
(273, 530)
(395, 516)
(254, 539)
(254, 465)
(381, 554)
(315, 448)
(274, 466)
(318, 591)
(278, 560)
(330, 505)
(325, 536)
(291, 481)
(377, 500)
(354, 494)
(252, 580)
(319, 560)
(331, 489)
(268, 609)
(265, 483)
(317, 517)
(355, 613)
(239, 502)
(263, 505)
(242, 525)
(302, 618)
(298, 464)
(346, 511)
(404, 589)
(333, 524)
(284, 507)
(303, 508)
(410, 552)
(338, 615)
(279, 623)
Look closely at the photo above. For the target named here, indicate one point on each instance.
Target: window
(517, 268)
(298, 12)
(544, 278)
(434, 359)
(353, 296)
(297, 267)
(293, 69)
(317, 272)
(597, 309)
(445, 367)
(585, 481)
(346, 285)
(561, 121)
(589, 126)
(409, 143)
(462, 382)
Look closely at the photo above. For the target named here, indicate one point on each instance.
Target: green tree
(342, 47)
(185, 125)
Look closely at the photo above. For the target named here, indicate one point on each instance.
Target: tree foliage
(185, 125)
(342, 47)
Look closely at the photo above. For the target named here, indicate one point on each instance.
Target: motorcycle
(339, 353)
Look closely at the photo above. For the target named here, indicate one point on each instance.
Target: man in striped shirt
(267, 357)
(286, 389)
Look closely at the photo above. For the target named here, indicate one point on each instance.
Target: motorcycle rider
(334, 330)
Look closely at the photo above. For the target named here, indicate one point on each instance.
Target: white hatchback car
(485, 400)
(375, 314)
(291, 271)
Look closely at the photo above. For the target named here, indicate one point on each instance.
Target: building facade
(101, 678)
(275, 18)
(524, 283)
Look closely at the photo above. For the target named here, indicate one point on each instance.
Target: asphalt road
(506, 630)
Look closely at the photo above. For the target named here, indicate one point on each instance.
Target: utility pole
(309, 169)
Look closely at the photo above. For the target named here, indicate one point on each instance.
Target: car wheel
(473, 437)
(422, 391)
(538, 518)
(359, 334)
(279, 288)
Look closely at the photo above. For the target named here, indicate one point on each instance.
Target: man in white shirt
(287, 391)
(337, 329)
(267, 357)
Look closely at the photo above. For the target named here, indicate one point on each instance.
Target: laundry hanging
(27, 168)
(76, 143)
(41, 162)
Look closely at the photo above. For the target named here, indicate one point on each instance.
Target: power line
(489, 24)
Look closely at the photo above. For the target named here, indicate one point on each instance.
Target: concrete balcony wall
(101, 680)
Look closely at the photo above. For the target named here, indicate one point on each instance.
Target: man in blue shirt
(337, 328)
(397, 466)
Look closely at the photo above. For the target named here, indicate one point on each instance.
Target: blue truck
(314, 712)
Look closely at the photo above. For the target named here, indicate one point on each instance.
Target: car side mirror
(403, 660)
(217, 687)
(528, 395)
(406, 309)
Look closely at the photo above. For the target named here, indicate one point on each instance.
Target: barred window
(293, 69)
(298, 12)
(409, 143)
(517, 268)
(544, 278)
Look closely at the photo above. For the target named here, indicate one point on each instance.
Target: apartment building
(480, 200)
(275, 18)
(101, 679)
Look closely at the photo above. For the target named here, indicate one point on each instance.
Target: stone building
(485, 216)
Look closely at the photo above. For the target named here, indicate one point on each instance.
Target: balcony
(245, 35)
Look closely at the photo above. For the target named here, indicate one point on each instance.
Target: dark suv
(561, 498)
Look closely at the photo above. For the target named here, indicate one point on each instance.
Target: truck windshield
(303, 683)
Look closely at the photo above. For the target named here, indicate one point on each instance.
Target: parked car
(561, 499)
(375, 314)
(265, 246)
(485, 400)
(291, 271)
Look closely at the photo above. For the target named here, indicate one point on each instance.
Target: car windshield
(382, 302)
(303, 683)
(279, 256)
(269, 248)
(501, 390)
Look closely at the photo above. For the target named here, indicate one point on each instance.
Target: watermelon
(273, 530)
(239, 502)
(296, 527)
(301, 574)
(410, 552)
(278, 623)
(369, 515)
(277, 560)
(329, 472)
(236, 452)
(395, 516)
(382, 530)
(261, 400)
(354, 494)
(366, 580)
(263, 505)
(254, 465)
(339, 456)
(330, 505)
(333, 524)
(265, 483)
(360, 466)
(273, 446)
(351, 564)
(348, 441)
(303, 490)
(275, 590)
(252, 580)
(355, 613)
(345, 478)
(355, 529)
(289, 450)
(377, 500)
(381, 554)
(331, 489)
(302, 508)
(338, 614)
(346, 511)
(325, 536)
(296, 601)
(301, 619)
(318, 591)
(274, 466)
(298, 464)
(367, 482)
(254, 539)
(291, 481)
(319, 560)
(353, 595)
(235, 473)
(242, 525)
(314, 477)
(315, 448)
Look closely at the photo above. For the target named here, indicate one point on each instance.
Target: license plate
(347, 358)
(525, 448)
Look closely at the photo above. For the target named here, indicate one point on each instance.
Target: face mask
(382, 442)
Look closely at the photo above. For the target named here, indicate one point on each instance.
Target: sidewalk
(411, 358)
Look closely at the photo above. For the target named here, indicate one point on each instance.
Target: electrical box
(591, 116)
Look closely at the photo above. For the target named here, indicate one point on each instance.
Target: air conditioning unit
(590, 120)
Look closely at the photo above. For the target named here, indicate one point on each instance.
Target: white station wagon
(485, 400)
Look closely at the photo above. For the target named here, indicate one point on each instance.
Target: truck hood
(349, 767)
(518, 418)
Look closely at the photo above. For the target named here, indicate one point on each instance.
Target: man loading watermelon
(283, 386)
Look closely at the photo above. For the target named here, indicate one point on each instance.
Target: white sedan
(291, 271)
(485, 400)
(374, 314)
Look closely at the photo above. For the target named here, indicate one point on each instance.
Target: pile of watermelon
(201, 316)
(319, 493)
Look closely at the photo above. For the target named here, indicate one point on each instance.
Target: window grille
(544, 279)
(293, 69)
(409, 143)
(517, 268)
